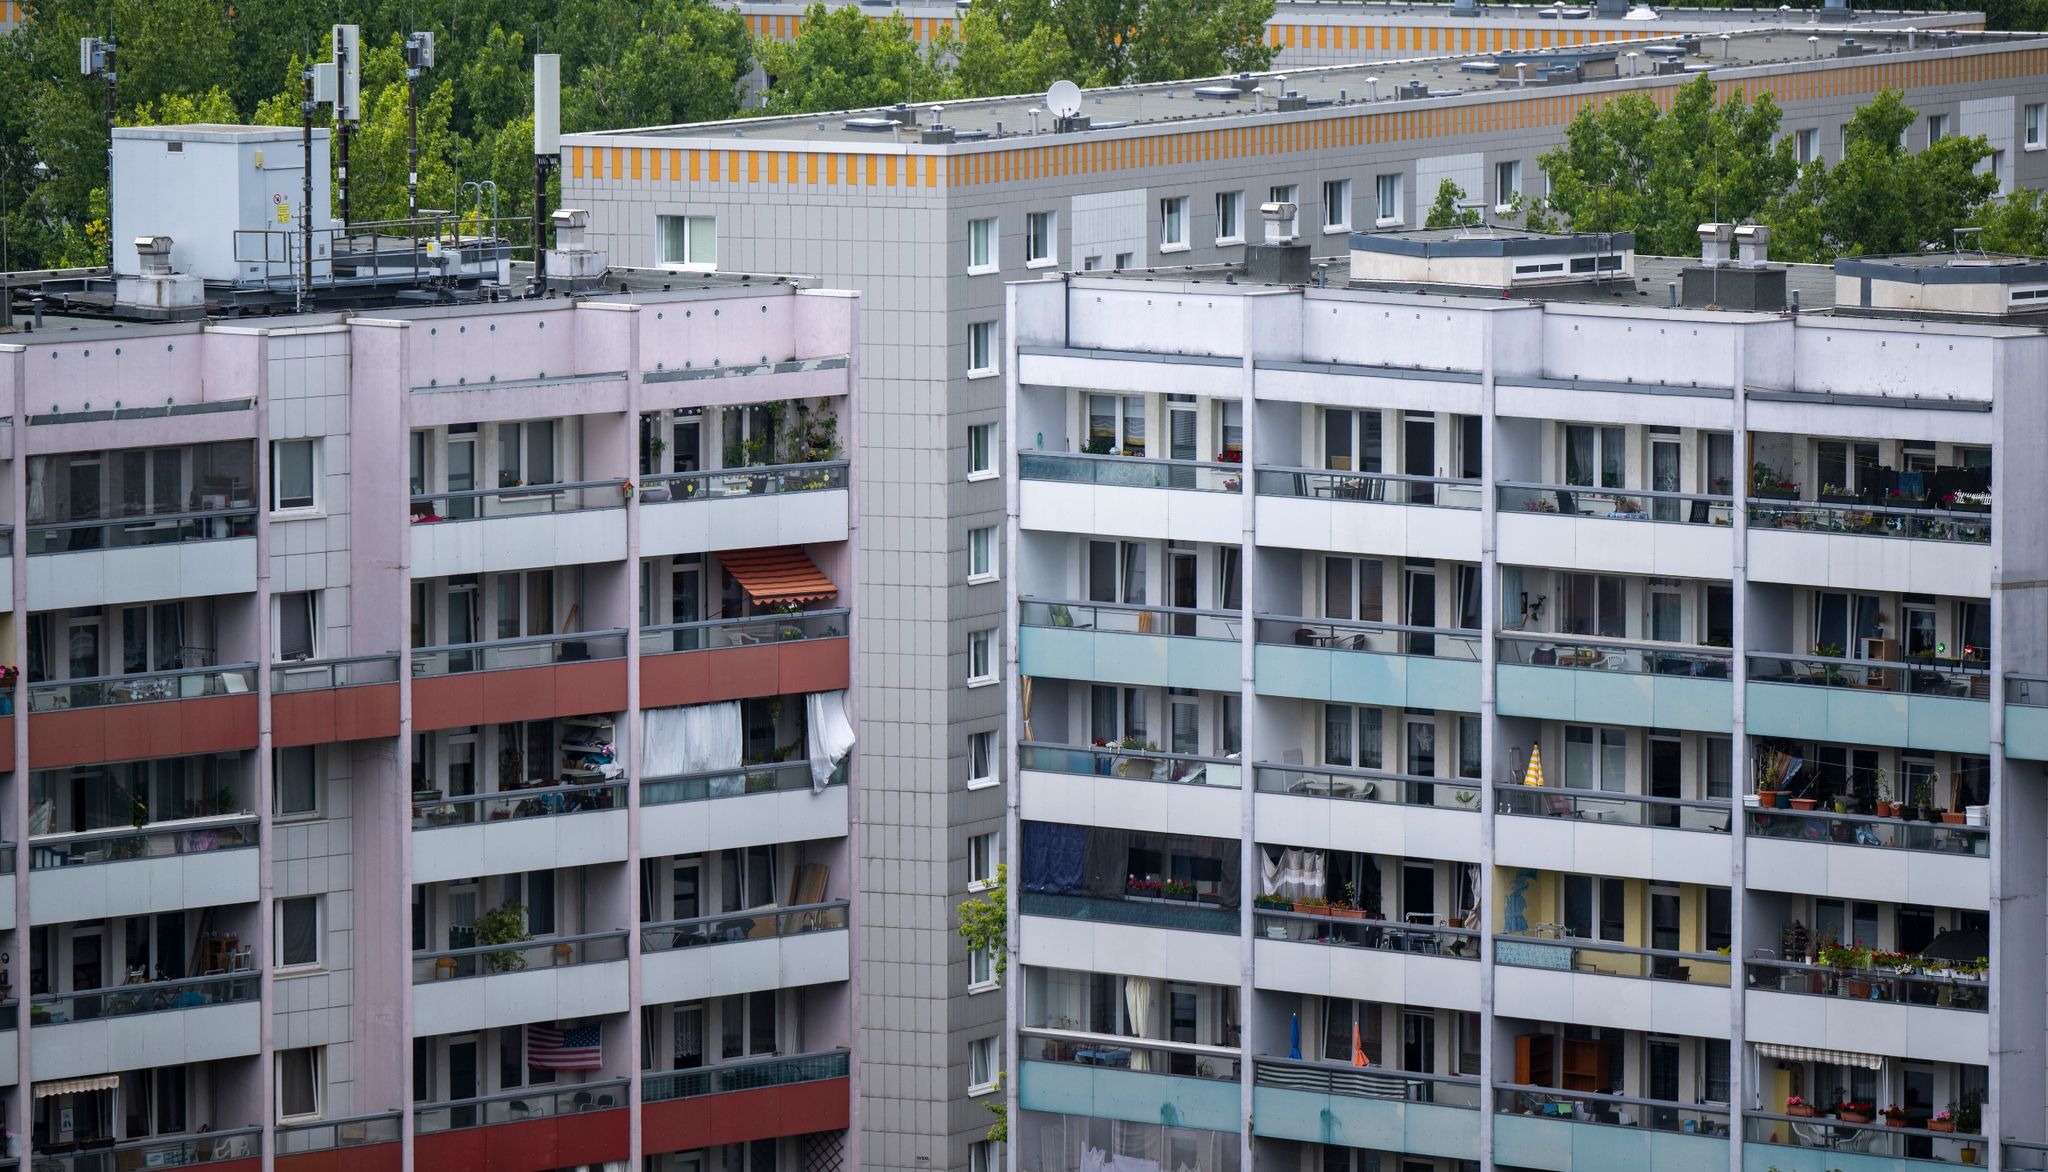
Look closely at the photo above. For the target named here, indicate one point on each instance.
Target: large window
(1230, 217)
(1116, 424)
(981, 554)
(1351, 440)
(1041, 238)
(981, 657)
(292, 474)
(1595, 908)
(981, 759)
(1351, 736)
(2030, 123)
(1592, 604)
(298, 782)
(1389, 199)
(298, 1083)
(1116, 572)
(689, 241)
(1173, 223)
(981, 861)
(1336, 205)
(298, 932)
(1507, 183)
(298, 624)
(1353, 588)
(1595, 758)
(981, 245)
(1595, 457)
(526, 453)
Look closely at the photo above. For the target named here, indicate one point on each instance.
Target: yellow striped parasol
(1533, 775)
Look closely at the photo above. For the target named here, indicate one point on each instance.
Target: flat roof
(1308, 11)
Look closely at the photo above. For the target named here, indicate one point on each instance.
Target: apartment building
(1462, 713)
(927, 211)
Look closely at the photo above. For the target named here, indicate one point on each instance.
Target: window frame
(316, 1070)
(991, 771)
(987, 443)
(1173, 214)
(1287, 193)
(986, 1054)
(981, 645)
(991, 261)
(1387, 212)
(278, 961)
(1034, 258)
(984, 854)
(278, 781)
(981, 335)
(2033, 126)
(1337, 197)
(981, 555)
(1507, 184)
(690, 262)
(277, 630)
(278, 503)
(1230, 205)
(981, 969)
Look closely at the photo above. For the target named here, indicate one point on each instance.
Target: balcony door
(462, 1079)
(1666, 769)
(1418, 455)
(1665, 461)
(461, 475)
(1181, 572)
(1180, 439)
(1418, 1042)
(1420, 584)
(1421, 755)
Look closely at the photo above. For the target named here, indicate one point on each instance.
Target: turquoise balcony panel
(1951, 724)
(1423, 1129)
(1133, 1096)
(1613, 697)
(1564, 1145)
(2026, 732)
(1763, 1157)
(1360, 677)
(1122, 658)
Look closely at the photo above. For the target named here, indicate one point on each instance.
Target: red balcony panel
(128, 732)
(518, 693)
(321, 715)
(683, 1125)
(814, 665)
(738, 673)
(594, 686)
(7, 741)
(584, 1137)
(446, 701)
(366, 1158)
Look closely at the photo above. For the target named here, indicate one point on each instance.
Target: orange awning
(780, 573)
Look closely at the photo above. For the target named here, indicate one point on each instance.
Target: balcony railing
(1612, 1110)
(1140, 620)
(751, 1074)
(171, 1151)
(1343, 929)
(1890, 985)
(520, 500)
(500, 654)
(1876, 1140)
(1370, 1082)
(312, 675)
(144, 688)
(1380, 638)
(544, 1102)
(1130, 471)
(1826, 826)
(2024, 1156)
(133, 1000)
(766, 480)
(2029, 691)
(1080, 1048)
(776, 778)
(541, 801)
(751, 631)
(1143, 765)
(1614, 807)
(189, 836)
(1367, 785)
(733, 927)
(1871, 520)
(1618, 504)
(512, 957)
(1601, 958)
(1598, 653)
(1389, 488)
(149, 529)
(356, 1131)
(1181, 915)
(1920, 678)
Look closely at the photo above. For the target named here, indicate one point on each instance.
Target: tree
(1445, 212)
(681, 62)
(1110, 42)
(844, 60)
(1883, 198)
(2016, 224)
(998, 52)
(985, 926)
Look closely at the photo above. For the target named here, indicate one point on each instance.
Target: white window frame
(690, 262)
(1336, 199)
(277, 934)
(2033, 132)
(312, 497)
(982, 857)
(277, 780)
(981, 655)
(1507, 185)
(982, 436)
(991, 241)
(315, 1059)
(1123, 260)
(982, 744)
(1288, 193)
(1387, 192)
(981, 335)
(1230, 209)
(981, 969)
(277, 607)
(984, 1054)
(1937, 128)
(1173, 223)
(1041, 253)
(981, 554)
(981, 1156)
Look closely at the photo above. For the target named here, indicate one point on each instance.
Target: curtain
(1051, 856)
(699, 738)
(1105, 861)
(1134, 572)
(831, 737)
(1139, 997)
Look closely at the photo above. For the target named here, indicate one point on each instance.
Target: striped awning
(780, 573)
(77, 1086)
(1816, 1054)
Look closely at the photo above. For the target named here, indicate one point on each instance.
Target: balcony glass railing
(1421, 936)
(1876, 1140)
(540, 801)
(1894, 984)
(501, 654)
(767, 480)
(133, 1000)
(1370, 1082)
(733, 927)
(1379, 638)
(237, 679)
(188, 836)
(1367, 785)
(1618, 504)
(490, 960)
(357, 1131)
(1076, 1048)
(1595, 653)
(1182, 915)
(1388, 488)
(1871, 521)
(1611, 1110)
(2028, 691)
(170, 1151)
(1130, 471)
(779, 777)
(518, 500)
(151, 529)
(1139, 620)
(751, 631)
(1948, 677)
(545, 1102)
(1602, 958)
(1110, 761)
(1614, 807)
(1826, 826)
(2023, 1156)
(750, 1075)
(312, 675)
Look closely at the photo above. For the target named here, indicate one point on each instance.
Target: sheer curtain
(1139, 998)
(699, 738)
(831, 736)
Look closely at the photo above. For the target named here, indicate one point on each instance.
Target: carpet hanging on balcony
(781, 573)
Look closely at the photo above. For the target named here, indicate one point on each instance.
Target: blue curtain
(1052, 857)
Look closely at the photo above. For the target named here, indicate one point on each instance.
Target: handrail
(1339, 1067)
(1504, 1103)
(772, 777)
(1619, 644)
(1970, 994)
(1556, 801)
(745, 1074)
(1130, 618)
(1192, 1049)
(229, 831)
(1890, 522)
(757, 480)
(576, 797)
(538, 488)
(1131, 471)
(521, 641)
(510, 957)
(519, 1105)
(1718, 964)
(1756, 1121)
(1907, 677)
(796, 920)
(1461, 643)
(146, 687)
(2027, 691)
(1606, 653)
(287, 675)
(350, 1131)
(234, 1143)
(1361, 931)
(1340, 1077)
(1867, 830)
(35, 527)
(1349, 784)
(1719, 498)
(1110, 760)
(151, 996)
(1386, 488)
(707, 634)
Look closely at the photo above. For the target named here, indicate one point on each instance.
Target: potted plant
(504, 924)
(1772, 764)
(1955, 815)
(1798, 1107)
(1766, 484)
(1143, 888)
(1175, 889)
(1347, 907)
(1894, 1116)
(1945, 1121)
(1837, 494)
(1098, 445)
(1923, 798)
(1311, 905)
(1854, 1112)
(1272, 903)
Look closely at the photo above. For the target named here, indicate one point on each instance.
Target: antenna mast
(547, 150)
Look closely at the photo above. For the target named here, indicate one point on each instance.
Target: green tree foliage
(1020, 46)
(843, 60)
(1445, 212)
(985, 925)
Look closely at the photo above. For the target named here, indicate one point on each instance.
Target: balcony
(538, 828)
(159, 557)
(161, 867)
(234, 1150)
(755, 805)
(1936, 705)
(1142, 645)
(155, 714)
(1367, 663)
(2026, 717)
(1609, 832)
(1339, 955)
(361, 1143)
(530, 1130)
(1130, 496)
(1389, 1110)
(1547, 1128)
(135, 1027)
(739, 952)
(1370, 810)
(1920, 1014)
(529, 527)
(1172, 938)
(739, 658)
(1854, 856)
(1615, 986)
(1065, 1072)
(1610, 681)
(518, 679)
(1819, 1144)
(740, 508)
(1123, 787)
(10, 1052)
(556, 978)
(1618, 531)
(1381, 512)
(1840, 545)
(736, 1102)
(319, 701)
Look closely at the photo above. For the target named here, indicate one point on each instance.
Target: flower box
(1853, 1117)
(1941, 1125)
(1776, 494)
(1802, 1111)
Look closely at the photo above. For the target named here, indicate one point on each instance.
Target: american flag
(576, 1048)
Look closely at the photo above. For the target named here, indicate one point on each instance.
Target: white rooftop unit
(198, 184)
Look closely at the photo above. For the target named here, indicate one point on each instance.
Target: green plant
(224, 801)
(1969, 1112)
(1098, 445)
(984, 925)
(504, 924)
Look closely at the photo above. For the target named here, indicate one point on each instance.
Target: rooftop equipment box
(199, 184)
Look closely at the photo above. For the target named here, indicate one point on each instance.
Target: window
(2030, 125)
(1805, 145)
(1287, 193)
(1090, 263)
(981, 348)
(981, 861)
(1351, 736)
(981, 1156)
(1116, 572)
(1389, 199)
(1336, 205)
(298, 932)
(1507, 183)
(981, 657)
(298, 616)
(981, 759)
(1354, 588)
(1123, 260)
(526, 453)
(1041, 238)
(981, 246)
(981, 554)
(1994, 166)
(1173, 223)
(1595, 908)
(298, 1083)
(1937, 128)
(1116, 425)
(1351, 440)
(691, 241)
(1595, 457)
(291, 475)
(1595, 758)
(981, 1066)
(298, 782)
(981, 450)
(981, 969)
(1230, 217)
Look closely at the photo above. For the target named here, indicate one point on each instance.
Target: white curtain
(38, 469)
(1296, 873)
(831, 736)
(699, 738)
(1138, 1000)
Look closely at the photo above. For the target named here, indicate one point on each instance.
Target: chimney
(1279, 222)
(1714, 240)
(1281, 260)
(572, 264)
(1753, 246)
(156, 292)
(155, 254)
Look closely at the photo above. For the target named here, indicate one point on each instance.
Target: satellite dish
(1063, 99)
